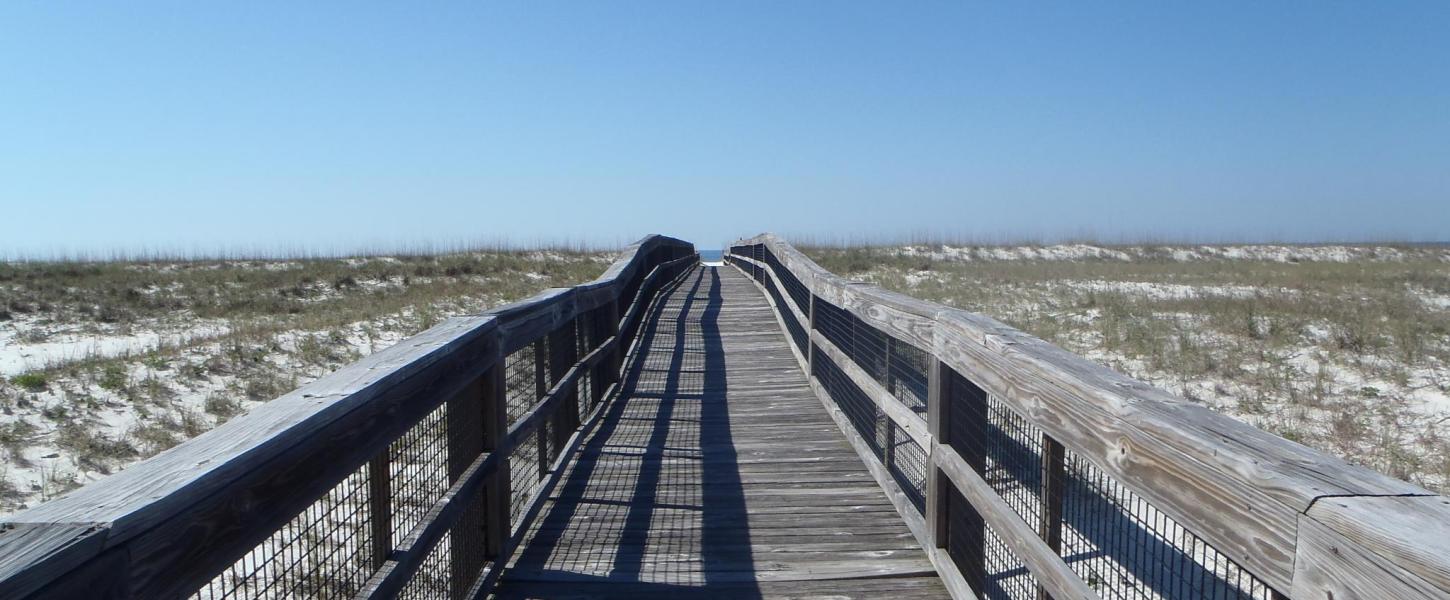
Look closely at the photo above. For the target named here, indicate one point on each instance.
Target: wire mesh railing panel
(1007, 575)
(793, 286)
(999, 445)
(835, 325)
(863, 414)
(524, 471)
(584, 333)
(868, 348)
(907, 375)
(792, 324)
(418, 464)
(1118, 543)
(908, 467)
(1003, 447)
(432, 580)
(526, 377)
(1124, 548)
(324, 552)
(992, 569)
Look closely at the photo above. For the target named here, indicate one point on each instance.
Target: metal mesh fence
(419, 470)
(991, 568)
(793, 286)
(1126, 549)
(324, 552)
(792, 324)
(1118, 543)
(907, 463)
(860, 411)
(907, 374)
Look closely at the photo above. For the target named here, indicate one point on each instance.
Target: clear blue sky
(206, 124)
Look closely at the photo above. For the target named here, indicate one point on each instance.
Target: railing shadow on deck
(685, 397)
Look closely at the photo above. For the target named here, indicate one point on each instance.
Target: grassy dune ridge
(1345, 348)
(106, 363)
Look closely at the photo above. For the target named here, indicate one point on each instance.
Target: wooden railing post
(969, 405)
(937, 394)
(380, 505)
(810, 328)
(497, 493)
(563, 353)
(1054, 482)
(543, 357)
(888, 454)
(614, 362)
(598, 332)
(467, 538)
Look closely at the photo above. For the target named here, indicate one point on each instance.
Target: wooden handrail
(166, 525)
(1289, 515)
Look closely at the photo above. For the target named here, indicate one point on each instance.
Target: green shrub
(113, 377)
(30, 382)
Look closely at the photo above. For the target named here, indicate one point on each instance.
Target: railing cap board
(1374, 547)
(45, 542)
(1240, 488)
(625, 262)
(525, 319)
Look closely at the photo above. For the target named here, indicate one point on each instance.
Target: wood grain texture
(1374, 547)
(1331, 566)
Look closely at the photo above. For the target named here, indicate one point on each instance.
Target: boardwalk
(684, 454)
(717, 473)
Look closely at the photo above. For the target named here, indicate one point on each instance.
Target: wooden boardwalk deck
(717, 473)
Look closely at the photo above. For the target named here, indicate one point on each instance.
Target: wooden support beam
(563, 353)
(938, 391)
(1054, 482)
(543, 381)
(380, 505)
(497, 494)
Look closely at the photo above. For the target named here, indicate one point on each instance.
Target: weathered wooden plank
(1330, 565)
(1348, 548)
(60, 547)
(902, 588)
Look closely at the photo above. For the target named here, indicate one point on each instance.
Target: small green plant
(113, 377)
(30, 382)
(156, 362)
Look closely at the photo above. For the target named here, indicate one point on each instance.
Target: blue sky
(192, 125)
